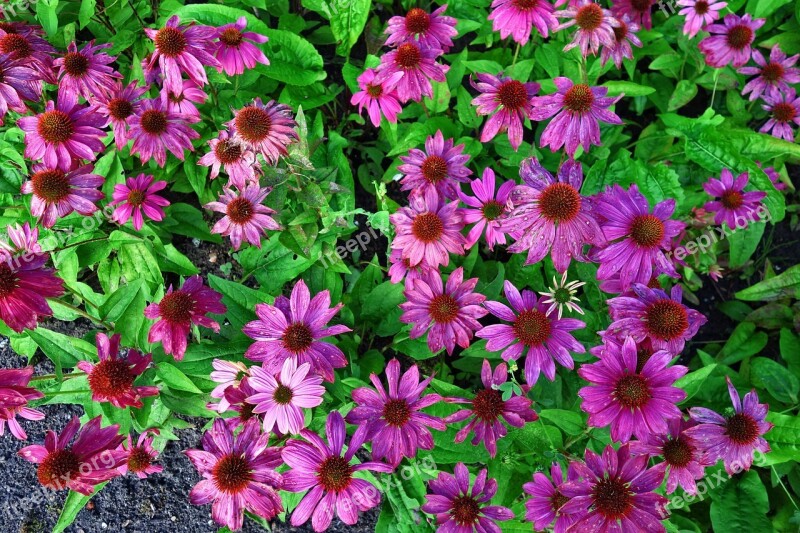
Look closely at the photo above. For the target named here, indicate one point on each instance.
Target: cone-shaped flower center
(465, 511)
(579, 98)
(654, 283)
(154, 122)
(246, 411)
(240, 210)
(488, 405)
(375, 90)
(741, 428)
(8, 280)
(677, 452)
(427, 227)
(701, 7)
(177, 307)
(739, 37)
(560, 202)
(231, 37)
(232, 473)
(772, 72)
(647, 230)
(512, 94)
(58, 468)
(492, 209)
(297, 337)
(643, 355)
(666, 319)
(557, 501)
(171, 42)
(52, 186)
(532, 327)
(784, 112)
(589, 17)
(55, 126)
(524, 5)
(641, 6)
(408, 56)
(443, 309)
(632, 391)
(120, 108)
(417, 21)
(434, 168)
(16, 46)
(136, 197)
(111, 378)
(612, 498)
(335, 474)
(283, 395)
(139, 460)
(396, 412)
(253, 124)
(620, 32)
(227, 152)
(732, 199)
(76, 64)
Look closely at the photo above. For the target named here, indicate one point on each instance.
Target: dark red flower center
(396, 412)
(772, 72)
(76, 64)
(632, 391)
(154, 122)
(488, 405)
(741, 429)
(240, 210)
(176, 98)
(666, 319)
(8, 27)
(253, 124)
(739, 37)
(443, 309)
(58, 469)
(641, 6)
(612, 498)
(512, 94)
(579, 98)
(246, 411)
(643, 355)
(408, 56)
(524, 5)
(231, 37)
(8, 280)
(560, 202)
(136, 197)
(171, 42)
(375, 91)
(732, 199)
(434, 169)
(620, 32)
(55, 126)
(654, 283)
(283, 395)
(647, 230)
(335, 474)
(417, 21)
(492, 210)
(532, 327)
(16, 46)
(465, 511)
(177, 307)
(701, 7)
(111, 378)
(557, 501)
(427, 227)
(120, 108)
(297, 337)
(232, 473)
(784, 112)
(589, 17)
(228, 152)
(139, 460)
(52, 186)
(677, 452)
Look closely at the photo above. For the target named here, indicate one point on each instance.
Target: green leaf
(628, 88)
(783, 438)
(63, 350)
(692, 382)
(175, 379)
(125, 308)
(785, 285)
(684, 92)
(570, 422)
(46, 14)
(772, 376)
(72, 506)
(240, 300)
(790, 350)
(348, 18)
(741, 505)
(744, 342)
(765, 8)
(743, 243)
(184, 219)
(86, 12)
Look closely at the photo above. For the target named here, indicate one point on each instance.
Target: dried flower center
(739, 37)
(76, 64)
(666, 319)
(784, 112)
(171, 42)
(8, 280)
(492, 210)
(283, 395)
(154, 122)
(297, 337)
(701, 7)
(772, 72)
(253, 124)
(139, 460)
(488, 405)
(52, 186)
(228, 152)
(427, 227)
(408, 56)
(620, 32)
(232, 473)
(579, 98)
(589, 17)
(240, 210)
(524, 5)
(741, 429)
(335, 474)
(417, 21)
(632, 391)
(375, 90)
(55, 126)
(136, 197)
(677, 452)
(120, 108)
(396, 412)
(111, 378)
(647, 230)
(560, 202)
(732, 199)
(641, 6)
(58, 468)
(177, 307)
(434, 169)
(557, 501)
(532, 327)
(16, 46)
(512, 94)
(443, 309)
(465, 511)
(612, 498)
(231, 37)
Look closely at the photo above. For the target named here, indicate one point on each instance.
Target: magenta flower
(140, 456)
(401, 268)
(292, 327)
(734, 204)
(119, 105)
(57, 193)
(245, 216)
(595, 26)
(773, 176)
(25, 285)
(239, 474)
(234, 51)
(615, 493)
(26, 45)
(155, 129)
(651, 314)
(394, 422)
(486, 208)
(734, 438)
(772, 77)
(578, 109)
(228, 374)
(510, 100)
(487, 410)
(541, 337)
(178, 310)
(699, 13)
(459, 509)
(439, 167)
(235, 398)
(240, 164)
(624, 37)
(636, 11)
(730, 42)
(637, 238)
(549, 214)
(544, 505)
(785, 111)
(283, 397)
(18, 82)
(182, 49)
(451, 311)
(14, 397)
(427, 230)
(63, 134)
(24, 240)
(136, 196)
(518, 18)
(86, 72)
(418, 66)
(266, 129)
(92, 459)
(429, 30)
(322, 469)
(183, 102)
(378, 95)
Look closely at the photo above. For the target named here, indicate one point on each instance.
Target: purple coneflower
(236, 400)
(429, 30)
(510, 100)
(155, 129)
(730, 42)
(15, 393)
(734, 204)
(378, 95)
(183, 102)
(56, 193)
(140, 456)
(544, 505)
(772, 77)
(439, 167)
(400, 268)
(595, 26)
(624, 37)
(245, 216)
(28, 46)
(418, 66)
(266, 129)
(636, 11)
(86, 72)
(24, 240)
(136, 196)
(239, 163)
(518, 18)
(785, 112)
(234, 51)
(228, 374)
(18, 82)
(119, 105)
(698, 14)
(486, 208)
(25, 285)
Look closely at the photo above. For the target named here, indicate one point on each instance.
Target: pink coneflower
(63, 134)
(439, 167)
(92, 459)
(624, 37)
(322, 469)
(429, 30)
(228, 374)
(533, 332)
(182, 102)
(785, 111)
(240, 164)
(292, 328)
(29, 47)
(487, 410)
(418, 66)
(578, 109)
(653, 315)
(451, 311)
(400, 268)
(595, 26)
(155, 129)
(730, 42)
(772, 77)
(234, 51)
(239, 474)
(245, 216)
(178, 310)
(544, 505)
(698, 14)
(24, 240)
(486, 208)
(18, 82)
(236, 400)
(773, 176)
(141, 456)
(14, 397)
(459, 509)
(518, 18)
(25, 285)
(637, 238)
(428, 230)
(549, 214)
(282, 398)
(636, 11)
(118, 106)
(682, 455)
(615, 493)
(57, 193)
(182, 49)
(111, 380)
(734, 204)
(266, 129)
(86, 72)
(394, 422)
(136, 196)
(510, 100)
(734, 438)
(378, 95)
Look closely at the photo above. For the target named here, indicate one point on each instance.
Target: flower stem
(86, 315)
(47, 377)
(59, 392)
(516, 54)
